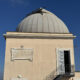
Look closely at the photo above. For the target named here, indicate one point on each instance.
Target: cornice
(39, 36)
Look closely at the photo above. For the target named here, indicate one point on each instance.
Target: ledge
(38, 35)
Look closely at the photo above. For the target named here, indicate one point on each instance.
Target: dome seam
(32, 23)
(43, 22)
(48, 23)
(53, 24)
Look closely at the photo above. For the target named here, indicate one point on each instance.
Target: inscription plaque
(22, 54)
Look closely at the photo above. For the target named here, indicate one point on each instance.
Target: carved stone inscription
(21, 53)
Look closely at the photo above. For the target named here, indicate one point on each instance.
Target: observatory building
(40, 49)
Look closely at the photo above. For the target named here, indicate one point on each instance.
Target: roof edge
(39, 35)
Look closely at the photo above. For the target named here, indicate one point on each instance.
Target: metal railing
(53, 74)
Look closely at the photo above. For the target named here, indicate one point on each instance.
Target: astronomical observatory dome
(42, 21)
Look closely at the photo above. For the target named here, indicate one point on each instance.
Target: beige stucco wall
(77, 74)
(44, 57)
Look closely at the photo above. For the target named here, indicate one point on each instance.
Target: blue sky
(13, 11)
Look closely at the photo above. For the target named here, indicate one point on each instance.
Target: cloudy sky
(13, 11)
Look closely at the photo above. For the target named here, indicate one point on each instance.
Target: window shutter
(60, 62)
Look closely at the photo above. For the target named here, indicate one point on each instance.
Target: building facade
(40, 49)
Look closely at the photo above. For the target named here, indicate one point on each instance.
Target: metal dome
(42, 21)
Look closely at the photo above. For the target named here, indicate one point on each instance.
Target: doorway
(67, 62)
